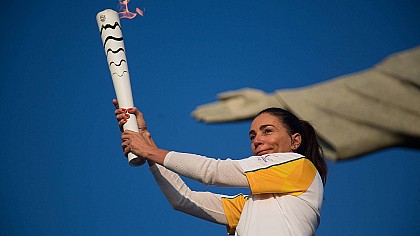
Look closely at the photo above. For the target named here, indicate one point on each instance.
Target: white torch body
(112, 40)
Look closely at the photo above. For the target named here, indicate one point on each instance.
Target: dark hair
(309, 146)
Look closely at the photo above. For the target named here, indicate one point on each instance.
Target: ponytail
(311, 149)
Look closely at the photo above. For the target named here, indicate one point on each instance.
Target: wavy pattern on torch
(112, 38)
(122, 60)
(115, 73)
(107, 26)
(114, 52)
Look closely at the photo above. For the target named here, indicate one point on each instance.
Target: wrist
(277, 101)
(156, 155)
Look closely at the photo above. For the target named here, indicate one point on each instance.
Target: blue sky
(61, 166)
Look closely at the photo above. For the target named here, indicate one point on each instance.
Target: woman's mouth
(262, 152)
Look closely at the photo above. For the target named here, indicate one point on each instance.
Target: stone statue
(354, 114)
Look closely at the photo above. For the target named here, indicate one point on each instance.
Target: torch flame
(124, 12)
(139, 11)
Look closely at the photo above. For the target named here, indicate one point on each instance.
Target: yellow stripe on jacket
(233, 209)
(292, 178)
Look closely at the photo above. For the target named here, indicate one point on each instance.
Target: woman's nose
(256, 141)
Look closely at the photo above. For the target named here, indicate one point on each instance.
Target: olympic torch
(112, 39)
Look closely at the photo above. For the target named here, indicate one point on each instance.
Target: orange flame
(124, 12)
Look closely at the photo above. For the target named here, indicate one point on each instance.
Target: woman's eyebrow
(266, 125)
(262, 127)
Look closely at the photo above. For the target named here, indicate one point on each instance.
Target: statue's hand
(235, 105)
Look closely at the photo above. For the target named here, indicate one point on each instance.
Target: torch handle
(131, 124)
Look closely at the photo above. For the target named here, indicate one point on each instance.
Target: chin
(264, 153)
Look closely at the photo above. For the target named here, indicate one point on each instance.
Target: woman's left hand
(137, 143)
(141, 145)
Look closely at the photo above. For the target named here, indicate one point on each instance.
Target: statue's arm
(354, 114)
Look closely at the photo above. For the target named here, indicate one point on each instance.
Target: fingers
(139, 117)
(126, 141)
(229, 94)
(115, 102)
(136, 112)
(125, 147)
(233, 93)
(240, 92)
(212, 113)
(135, 142)
(122, 114)
(118, 110)
(133, 110)
(127, 135)
(126, 150)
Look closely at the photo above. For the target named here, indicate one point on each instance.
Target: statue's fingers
(213, 118)
(229, 94)
(213, 113)
(241, 93)
(210, 108)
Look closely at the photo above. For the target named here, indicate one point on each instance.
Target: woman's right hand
(122, 115)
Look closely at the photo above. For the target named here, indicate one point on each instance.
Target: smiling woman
(286, 184)
(303, 137)
(269, 135)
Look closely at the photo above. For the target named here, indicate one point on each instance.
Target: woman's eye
(267, 131)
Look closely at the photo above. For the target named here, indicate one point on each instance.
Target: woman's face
(268, 135)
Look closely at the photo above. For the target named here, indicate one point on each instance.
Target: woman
(286, 176)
